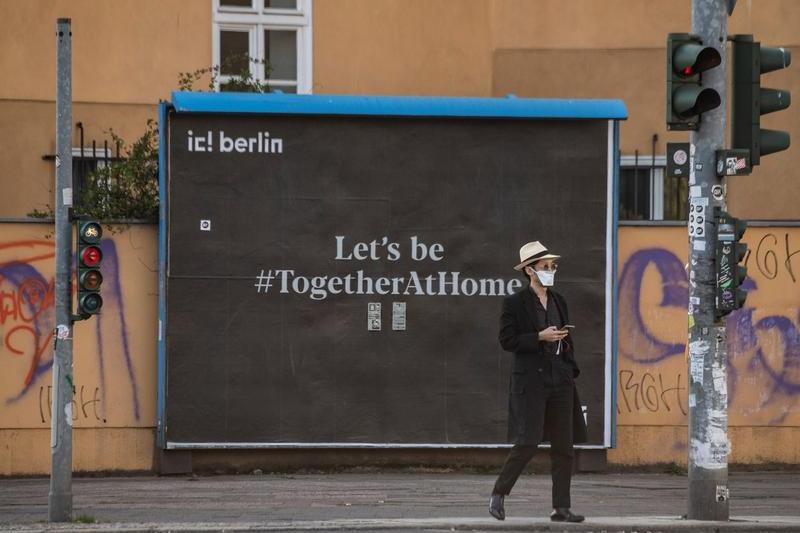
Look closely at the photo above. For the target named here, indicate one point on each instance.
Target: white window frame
(656, 179)
(255, 20)
(100, 153)
(252, 45)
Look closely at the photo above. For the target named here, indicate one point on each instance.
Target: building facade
(129, 55)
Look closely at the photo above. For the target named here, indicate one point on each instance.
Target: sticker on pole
(733, 163)
(678, 160)
(697, 217)
(62, 332)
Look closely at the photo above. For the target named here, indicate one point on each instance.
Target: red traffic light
(91, 256)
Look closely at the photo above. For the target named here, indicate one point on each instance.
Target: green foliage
(124, 189)
(675, 469)
(47, 213)
(241, 81)
(127, 188)
(84, 519)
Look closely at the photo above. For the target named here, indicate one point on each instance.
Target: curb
(642, 524)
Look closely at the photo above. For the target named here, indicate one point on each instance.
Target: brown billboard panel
(337, 280)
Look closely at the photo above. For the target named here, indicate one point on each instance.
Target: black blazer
(519, 328)
(519, 334)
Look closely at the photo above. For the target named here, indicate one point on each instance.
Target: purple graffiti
(113, 287)
(674, 293)
(786, 379)
(33, 310)
(741, 333)
(742, 339)
(744, 352)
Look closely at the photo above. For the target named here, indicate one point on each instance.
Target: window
(646, 193)
(86, 161)
(275, 31)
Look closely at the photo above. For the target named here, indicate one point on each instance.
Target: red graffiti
(25, 305)
(12, 343)
(43, 250)
(23, 300)
(27, 302)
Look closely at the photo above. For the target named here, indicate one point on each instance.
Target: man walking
(543, 401)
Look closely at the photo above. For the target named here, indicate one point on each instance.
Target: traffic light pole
(708, 396)
(60, 496)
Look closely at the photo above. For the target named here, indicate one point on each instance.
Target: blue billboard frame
(420, 106)
(509, 107)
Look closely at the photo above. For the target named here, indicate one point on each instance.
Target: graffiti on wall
(763, 336)
(27, 322)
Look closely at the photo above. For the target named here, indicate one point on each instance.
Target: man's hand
(552, 334)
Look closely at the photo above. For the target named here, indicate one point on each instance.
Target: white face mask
(547, 277)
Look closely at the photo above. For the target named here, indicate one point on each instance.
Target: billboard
(334, 267)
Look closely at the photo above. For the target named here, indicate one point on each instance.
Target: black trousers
(558, 424)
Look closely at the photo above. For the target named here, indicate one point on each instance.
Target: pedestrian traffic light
(750, 101)
(730, 275)
(89, 259)
(687, 99)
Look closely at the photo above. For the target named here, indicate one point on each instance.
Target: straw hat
(531, 252)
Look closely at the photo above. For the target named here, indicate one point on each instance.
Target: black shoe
(496, 506)
(563, 514)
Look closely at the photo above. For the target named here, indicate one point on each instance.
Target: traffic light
(730, 275)
(750, 101)
(687, 99)
(89, 259)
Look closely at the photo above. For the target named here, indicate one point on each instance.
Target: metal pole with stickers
(88, 276)
(696, 102)
(60, 496)
(708, 396)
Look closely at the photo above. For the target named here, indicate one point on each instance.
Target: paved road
(400, 501)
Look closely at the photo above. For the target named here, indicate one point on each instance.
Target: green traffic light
(774, 59)
(90, 304)
(771, 141)
(750, 100)
(730, 275)
(89, 260)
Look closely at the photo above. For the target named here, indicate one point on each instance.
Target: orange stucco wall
(114, 412)
(128, 54)
(115, 356)
(763, 344)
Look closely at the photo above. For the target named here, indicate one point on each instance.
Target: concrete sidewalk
(396, 501)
